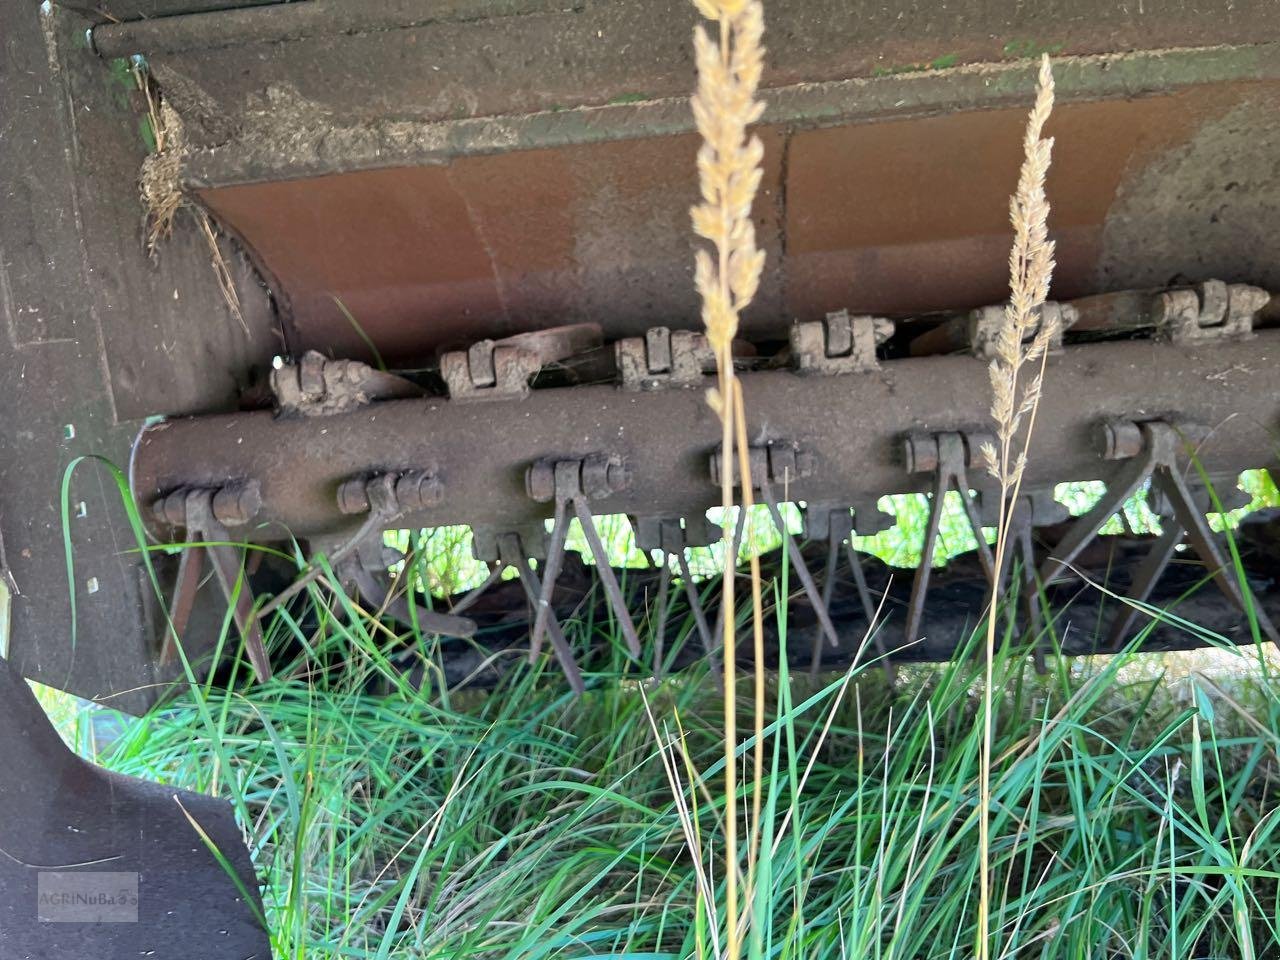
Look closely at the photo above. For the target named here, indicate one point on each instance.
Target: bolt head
(1121, 439)
(921, 453)
(619, 476)
(540, 481)
(353, 498)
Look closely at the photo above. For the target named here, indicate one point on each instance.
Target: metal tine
(495, 574)
(611, 588)
(920, 585)
(1087, 526)
(948, 475)
(841, 533)
(985, 557)
(228, 569)
(1149, 572)
(828, 587)
(190, 566)
(1205, 544)
(555, 558)
(869, 608)
(532, 588)
(432, 621)
(1020, 549)
(660, 626)
(802, 570)
(373, 523)
(1031, 591)
(700, 618)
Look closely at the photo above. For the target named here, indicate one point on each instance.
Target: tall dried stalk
(1022, 347)
(727, 275)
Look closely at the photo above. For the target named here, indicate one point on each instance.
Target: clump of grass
(388, 821)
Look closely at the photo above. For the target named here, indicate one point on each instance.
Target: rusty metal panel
(92, 340)
(594, 52)
(893, 217)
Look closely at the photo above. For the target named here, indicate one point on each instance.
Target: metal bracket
(985, 323)
(571, 483)
(673, 537)
(836, 526)
(316, 386)
(673, 534)
(663, 358)
(593, 477)
(364, 569)
(390, 494)
(486, 546)
(205, 514)
(1153, 457)
(778, 461)
(1213, 310)
(839, 344)
(501, 369)
(384, 497)
(946, 455)
(781, 461)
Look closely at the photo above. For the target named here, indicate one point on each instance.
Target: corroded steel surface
(466, 170)
(852, 426)
(895, 217)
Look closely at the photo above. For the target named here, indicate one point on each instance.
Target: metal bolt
(418, 490)
(779, 462)
(1121, 440)
(540, 481)
(237, 503)
(413, 490)
(603, 475)
(596, 476)
(311, 374)
(973, 443)
(233, 504)
(921, 453)
(619, 476)
(171, 508)
(353, 497)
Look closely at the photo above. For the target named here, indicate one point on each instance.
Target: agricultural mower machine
(305, 272)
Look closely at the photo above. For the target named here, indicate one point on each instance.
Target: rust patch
(891, 217)
(397, 247)
(910, 216)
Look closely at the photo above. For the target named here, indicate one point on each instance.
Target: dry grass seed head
(729, 163)
(1028, 329)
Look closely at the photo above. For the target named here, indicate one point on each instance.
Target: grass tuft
(1133, 815)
